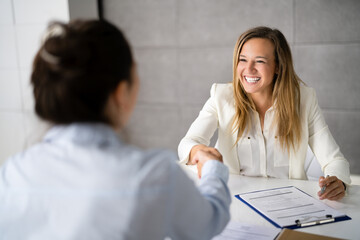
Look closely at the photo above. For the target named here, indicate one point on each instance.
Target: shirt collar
(83, 133)
(271, 109)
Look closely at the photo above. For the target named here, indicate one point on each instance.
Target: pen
(324, 187)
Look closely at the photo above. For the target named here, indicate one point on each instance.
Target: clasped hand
(200, 154)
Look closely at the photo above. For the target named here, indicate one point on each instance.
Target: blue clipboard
(327, 218)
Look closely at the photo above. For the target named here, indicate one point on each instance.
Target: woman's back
(83, 181)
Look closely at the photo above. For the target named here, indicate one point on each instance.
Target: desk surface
(350, 204)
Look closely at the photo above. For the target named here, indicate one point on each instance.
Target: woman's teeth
(252, 79)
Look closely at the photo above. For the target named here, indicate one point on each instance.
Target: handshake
(200, 154)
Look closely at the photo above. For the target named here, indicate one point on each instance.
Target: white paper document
(290, 206)
(243, 231)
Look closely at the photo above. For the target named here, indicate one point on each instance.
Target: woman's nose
(250, 67)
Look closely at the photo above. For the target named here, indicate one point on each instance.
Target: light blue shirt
(82, 182)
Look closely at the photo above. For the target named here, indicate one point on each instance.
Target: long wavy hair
(285, 95)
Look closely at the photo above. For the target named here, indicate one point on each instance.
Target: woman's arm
(328, 154)
(200, 131)
(200, 212)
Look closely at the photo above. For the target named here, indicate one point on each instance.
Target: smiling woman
(266, 118)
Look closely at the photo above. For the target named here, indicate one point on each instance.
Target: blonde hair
(286, 90)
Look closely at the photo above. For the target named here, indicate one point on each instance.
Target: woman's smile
(250, 79)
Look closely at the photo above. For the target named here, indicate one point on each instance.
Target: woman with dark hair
(81, 181)
(266, 118)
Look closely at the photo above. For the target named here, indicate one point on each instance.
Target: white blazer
(218, 113)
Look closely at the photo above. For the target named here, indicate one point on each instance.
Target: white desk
(349, 205)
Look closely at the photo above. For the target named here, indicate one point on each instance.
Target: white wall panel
(6, 13)
(40, 11)
(10, 97)
(26, 89)
(28, 42)
(8, 53)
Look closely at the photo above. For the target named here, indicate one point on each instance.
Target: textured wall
(22, 23)
(183, 46)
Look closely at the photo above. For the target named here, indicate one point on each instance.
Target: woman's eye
(259, 61)
(242, 60)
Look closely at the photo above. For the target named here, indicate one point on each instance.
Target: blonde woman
(266, 118)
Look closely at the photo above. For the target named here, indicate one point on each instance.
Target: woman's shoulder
(307, 94)
(160, 156)
(222, 88)
(152, 167)
(222, 91)
(148, 159)
(26, 157)
(306, 90)
(127, 163)
(308, 99)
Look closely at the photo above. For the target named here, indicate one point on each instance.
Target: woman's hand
(335, 189)
(200, 154)
(205, 148)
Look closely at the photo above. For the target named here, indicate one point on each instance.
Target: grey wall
(183, 46)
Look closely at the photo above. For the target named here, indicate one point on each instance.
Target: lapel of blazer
(226, 116)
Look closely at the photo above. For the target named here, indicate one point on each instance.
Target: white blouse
(83, 182)
(260, 152)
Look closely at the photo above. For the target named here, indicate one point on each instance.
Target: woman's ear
(118, 105)
(121, 95)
